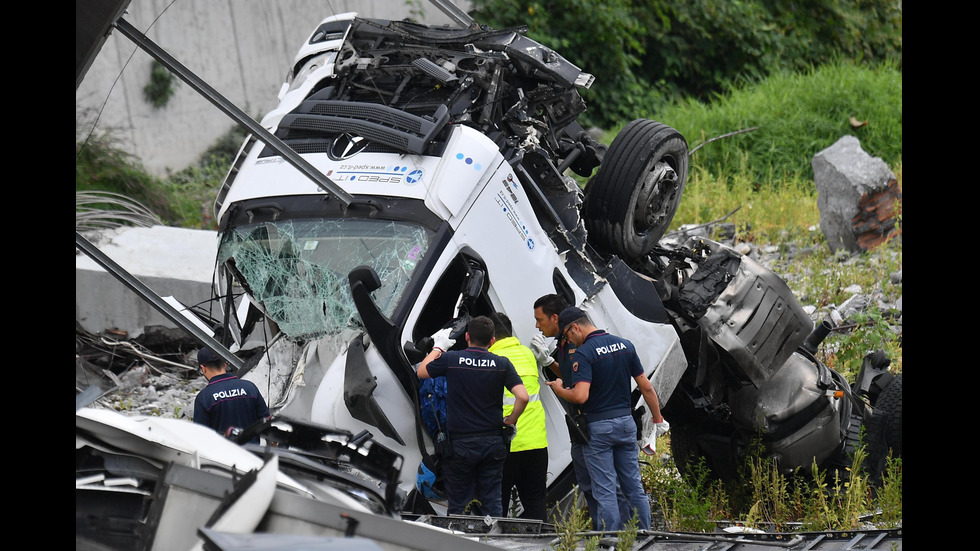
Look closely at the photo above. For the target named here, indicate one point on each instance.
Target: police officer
(227, 402)
(602, 366)
(526, 466)
(475, 379)
(546, 311)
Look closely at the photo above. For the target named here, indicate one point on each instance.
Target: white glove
(510, 431)
(649, 444)
(441, 339)
(540, 349)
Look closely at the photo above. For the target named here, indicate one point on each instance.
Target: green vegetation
(888, 495)
(161, 87)
(764, 498)
(627, 536)
(646, 54)
(792, 116)
(102, 165)
(761, 497)
(184, 199)
(796, 77)
(570, 527)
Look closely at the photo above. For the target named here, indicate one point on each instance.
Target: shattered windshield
(297, 269)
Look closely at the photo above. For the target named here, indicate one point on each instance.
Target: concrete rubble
(857, 197)
(177, 262)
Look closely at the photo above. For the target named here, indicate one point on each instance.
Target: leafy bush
(700, 46)
(646, 54)
(161, 87)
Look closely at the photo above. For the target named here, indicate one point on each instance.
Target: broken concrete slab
(171, 261)
(858, 197)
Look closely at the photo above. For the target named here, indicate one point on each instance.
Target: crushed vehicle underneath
(448, 151)
(453, 145)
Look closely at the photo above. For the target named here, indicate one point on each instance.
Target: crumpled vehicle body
(453, 148)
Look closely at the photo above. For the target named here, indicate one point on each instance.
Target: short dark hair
(480, 329)
(551, 305)
(207, 356)
(502, 326)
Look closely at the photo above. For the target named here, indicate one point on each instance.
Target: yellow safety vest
(531, 431)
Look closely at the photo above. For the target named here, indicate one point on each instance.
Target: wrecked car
(449, 153)
(452, 145)
(427, 178)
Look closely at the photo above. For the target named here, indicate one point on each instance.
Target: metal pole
(233, 111)
(155, 300)
(453, 11)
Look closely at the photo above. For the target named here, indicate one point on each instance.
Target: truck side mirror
(366, 276)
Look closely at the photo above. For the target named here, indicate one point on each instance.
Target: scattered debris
(335, 289)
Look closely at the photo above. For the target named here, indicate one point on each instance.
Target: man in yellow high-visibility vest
(526, 466)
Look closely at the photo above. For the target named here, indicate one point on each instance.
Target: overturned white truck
(446, 153)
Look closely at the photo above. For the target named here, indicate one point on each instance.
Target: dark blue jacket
(229, 402)
(475, 379)
(609, 363)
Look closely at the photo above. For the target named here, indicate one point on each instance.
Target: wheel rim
(656, 198)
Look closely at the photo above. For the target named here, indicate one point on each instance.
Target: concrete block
(174, 262)
(857, 196)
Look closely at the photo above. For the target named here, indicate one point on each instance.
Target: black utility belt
(606, 415)
(484, 434)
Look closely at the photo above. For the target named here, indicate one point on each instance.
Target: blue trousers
(475, 470)
(612, 457)
(584, 480)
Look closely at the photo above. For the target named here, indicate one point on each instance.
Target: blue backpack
(432, 402)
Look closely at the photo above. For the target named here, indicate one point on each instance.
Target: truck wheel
(633, 197)
(890, 401)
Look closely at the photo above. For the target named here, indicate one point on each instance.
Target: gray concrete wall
(241, 48)
(175, 262)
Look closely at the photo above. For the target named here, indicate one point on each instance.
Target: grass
(183, 199)
(792, 117)
(571, 527)
(101, 164)
(765, 498)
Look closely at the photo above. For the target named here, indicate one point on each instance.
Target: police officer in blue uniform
(227, 402)
(476, 378)
(546, 311)
(602, 366)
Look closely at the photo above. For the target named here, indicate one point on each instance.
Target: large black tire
(634, 195)
(890, 401)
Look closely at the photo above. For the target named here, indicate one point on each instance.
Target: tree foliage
(645, 53)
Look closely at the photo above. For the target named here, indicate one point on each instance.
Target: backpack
(429, 480)
(432, 402)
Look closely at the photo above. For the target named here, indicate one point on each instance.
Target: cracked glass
(296, 270)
